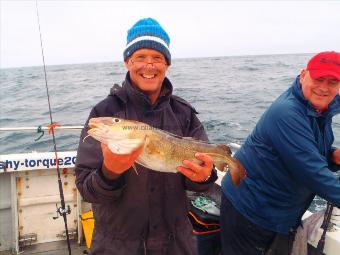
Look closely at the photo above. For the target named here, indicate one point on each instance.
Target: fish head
(106, 129)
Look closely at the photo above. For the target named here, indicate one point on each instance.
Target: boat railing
(11, 129)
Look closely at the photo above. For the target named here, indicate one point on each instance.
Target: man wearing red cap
(289, 158)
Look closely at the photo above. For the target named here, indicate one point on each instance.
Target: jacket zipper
(144, 246)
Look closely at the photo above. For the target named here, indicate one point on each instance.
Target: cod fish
(162, 150)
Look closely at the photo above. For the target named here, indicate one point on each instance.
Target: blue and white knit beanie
(147, 33)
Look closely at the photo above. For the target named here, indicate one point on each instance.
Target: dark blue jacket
(287, 157)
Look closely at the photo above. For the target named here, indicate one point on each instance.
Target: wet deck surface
(52, 248)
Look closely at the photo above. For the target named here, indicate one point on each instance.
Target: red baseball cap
(324, 63)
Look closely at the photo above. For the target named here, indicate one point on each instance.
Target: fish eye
(115, 120)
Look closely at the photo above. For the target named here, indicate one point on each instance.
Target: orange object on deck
(87, 221)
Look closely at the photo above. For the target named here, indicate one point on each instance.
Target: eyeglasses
(143, 61)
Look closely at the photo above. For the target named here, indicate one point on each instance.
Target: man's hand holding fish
(195, 172)
(116, 164)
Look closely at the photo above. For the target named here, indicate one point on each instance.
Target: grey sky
(95, 31)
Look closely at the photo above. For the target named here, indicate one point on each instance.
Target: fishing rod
(62, 211)
(325, 224)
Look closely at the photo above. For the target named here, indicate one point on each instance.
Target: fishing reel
(61, 212)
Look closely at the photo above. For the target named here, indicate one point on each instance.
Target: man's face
(320, 91)
(147, 69)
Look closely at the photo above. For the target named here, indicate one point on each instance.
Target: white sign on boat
(36, 161)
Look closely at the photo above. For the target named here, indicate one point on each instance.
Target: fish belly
(157, 163)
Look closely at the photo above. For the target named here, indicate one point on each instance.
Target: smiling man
(289, 159)
(144, 213)
(147, 70)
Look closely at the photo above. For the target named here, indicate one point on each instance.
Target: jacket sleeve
(292, 137)
(90, 181)
(197, 131)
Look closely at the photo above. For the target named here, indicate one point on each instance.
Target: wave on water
(247, 68)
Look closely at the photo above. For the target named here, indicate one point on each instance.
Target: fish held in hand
(162, 151)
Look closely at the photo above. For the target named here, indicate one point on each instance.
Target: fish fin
(237, 172)
(215, 156)
(225, 148)
(85, 138)
(221, 166)
(162, 132)
(219, 161)
(189, 138)
(236, 169)
(180, 137)
(135, 168)
(142, 162)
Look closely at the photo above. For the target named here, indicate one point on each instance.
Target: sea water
(230, 94)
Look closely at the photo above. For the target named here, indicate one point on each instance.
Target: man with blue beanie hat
(144, 213)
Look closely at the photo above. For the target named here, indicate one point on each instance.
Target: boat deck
(52, 248)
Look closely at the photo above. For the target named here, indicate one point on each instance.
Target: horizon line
(178, 58)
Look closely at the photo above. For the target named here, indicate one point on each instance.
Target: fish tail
(237, 171)
(230, 164)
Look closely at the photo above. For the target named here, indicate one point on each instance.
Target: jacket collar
(129, 93)
(333, 107)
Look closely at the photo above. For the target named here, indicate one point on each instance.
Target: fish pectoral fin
(141, 161)
(85, 138)
(124, 146)
(135, 168)
(189, 138)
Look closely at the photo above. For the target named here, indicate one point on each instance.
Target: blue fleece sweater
(288, 160)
